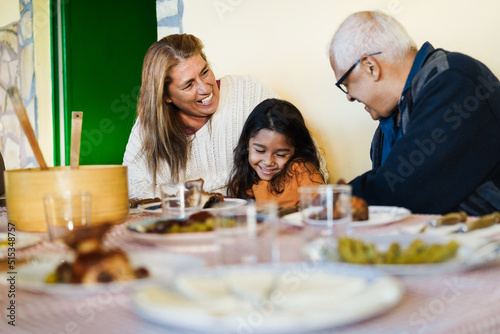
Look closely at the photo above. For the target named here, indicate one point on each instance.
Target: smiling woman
(188, 122)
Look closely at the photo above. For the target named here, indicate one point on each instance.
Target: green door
(101, 50)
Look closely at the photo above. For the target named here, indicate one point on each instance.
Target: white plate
(135, 231)
(378, 215)
(161, 266)
(22, 240)
(467, 257)
(150, 207)
(228, 203)
(305, 297)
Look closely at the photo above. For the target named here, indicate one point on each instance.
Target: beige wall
(41, 30)
(284, 43)
(9, 12)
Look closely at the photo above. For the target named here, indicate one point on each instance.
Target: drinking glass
(67, 212)
(326, 210)
(247, 234)
(181, 199)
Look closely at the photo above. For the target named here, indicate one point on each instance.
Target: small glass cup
(179, 200)
(67, 212)
(326, 210)
(247, 234)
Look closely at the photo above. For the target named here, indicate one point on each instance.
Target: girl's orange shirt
(290, 195)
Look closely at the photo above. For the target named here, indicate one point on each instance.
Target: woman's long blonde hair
(164, 135)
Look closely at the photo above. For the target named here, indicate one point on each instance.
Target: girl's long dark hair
(283, 117)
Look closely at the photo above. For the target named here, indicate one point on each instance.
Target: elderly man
(437, 146)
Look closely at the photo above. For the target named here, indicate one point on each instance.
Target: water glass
(247, 234)
(67, 212)
(326, 210)
(181, 199)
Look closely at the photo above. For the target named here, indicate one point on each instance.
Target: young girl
(275, 155)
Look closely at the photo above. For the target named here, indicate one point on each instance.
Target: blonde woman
(188, 122)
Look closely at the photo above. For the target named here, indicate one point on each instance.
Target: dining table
(463, 301)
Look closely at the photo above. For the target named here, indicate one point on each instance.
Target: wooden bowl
(25, 189)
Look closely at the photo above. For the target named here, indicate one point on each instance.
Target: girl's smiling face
(268, 152)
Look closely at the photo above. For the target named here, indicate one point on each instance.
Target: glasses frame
(346, 74)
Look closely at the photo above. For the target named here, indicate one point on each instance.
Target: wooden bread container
(25, 189)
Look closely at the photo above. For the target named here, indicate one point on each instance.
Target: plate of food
(292, 297)
(92, 268)
(377, 215)
(404, 254)
(227, 203)
(112, 272)
(197, 227)
(18, 240)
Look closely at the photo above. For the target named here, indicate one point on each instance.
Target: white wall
(284, 44)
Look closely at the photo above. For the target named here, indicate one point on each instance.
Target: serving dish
(26, 188)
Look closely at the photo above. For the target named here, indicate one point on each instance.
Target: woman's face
(193, 90)
(268, 152)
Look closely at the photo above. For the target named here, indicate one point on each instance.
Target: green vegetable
(355, 251)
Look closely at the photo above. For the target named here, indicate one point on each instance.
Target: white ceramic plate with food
(294, 297)
(228, 203)
(137, 231)
(21, 240)
(161, 267)
(468, 255)
(378, 215)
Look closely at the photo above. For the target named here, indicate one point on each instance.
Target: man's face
(368, 87)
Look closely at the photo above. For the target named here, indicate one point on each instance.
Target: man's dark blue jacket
(448, 158)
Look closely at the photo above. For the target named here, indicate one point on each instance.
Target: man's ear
(372, 67)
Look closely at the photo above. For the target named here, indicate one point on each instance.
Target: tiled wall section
(17, 68)
(169, 17)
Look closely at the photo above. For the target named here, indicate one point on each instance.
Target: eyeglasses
(340, 84)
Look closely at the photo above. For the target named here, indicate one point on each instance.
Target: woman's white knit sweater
(211, 155)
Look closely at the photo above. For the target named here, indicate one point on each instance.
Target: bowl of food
(26, 188)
